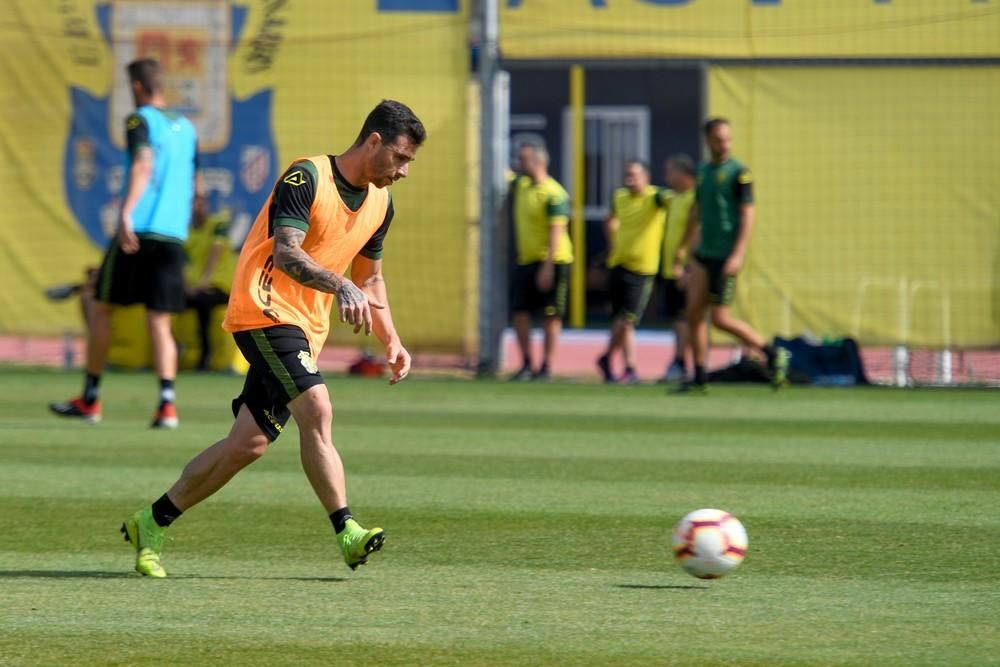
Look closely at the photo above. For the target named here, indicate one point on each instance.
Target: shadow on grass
(98, 574)
(662, 587)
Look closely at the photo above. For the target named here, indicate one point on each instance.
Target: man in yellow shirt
(209, 271)
(635, 237)
(681, 175)
(544, 255)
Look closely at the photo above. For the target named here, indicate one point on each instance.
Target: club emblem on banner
(255, 168)
(193, 41)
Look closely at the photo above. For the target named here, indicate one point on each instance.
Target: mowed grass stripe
(709, 469)
(85, 444)
(519, 610)
(620, 498)
(528, 493)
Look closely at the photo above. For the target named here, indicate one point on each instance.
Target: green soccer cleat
(147, 537)
(779, 372)
(357, 542)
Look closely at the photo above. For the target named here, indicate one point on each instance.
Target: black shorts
(281, 368)
(674, 299)
(629, 293)
(153, 276)
(528, 298)
(721, 288)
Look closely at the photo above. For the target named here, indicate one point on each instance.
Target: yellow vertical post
(578, 276)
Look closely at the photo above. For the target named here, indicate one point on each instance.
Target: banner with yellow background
(749, 28)
(265, 81)
(878, 211)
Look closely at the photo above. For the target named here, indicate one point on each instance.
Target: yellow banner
(876, 198)
(264, 81)
(748, 28)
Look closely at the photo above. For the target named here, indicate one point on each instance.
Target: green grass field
(526, 525)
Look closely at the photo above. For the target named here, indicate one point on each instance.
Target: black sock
(339, 518)
(769, 351)
(165, 512)
(678, 361)
(630, 370)
(90, 388)
(699, 374)
(167, 394)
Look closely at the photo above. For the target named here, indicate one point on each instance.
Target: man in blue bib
(145, 262)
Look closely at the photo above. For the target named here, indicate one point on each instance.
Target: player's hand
(733, 265)
(127, 239)
(355, 307)
(679, 270)
(399, 361)
(546, 277)
(681, 277)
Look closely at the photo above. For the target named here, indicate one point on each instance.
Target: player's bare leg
(313, 414)
(628, 351)
(522, 328)
(777, 359)
(682, 341)
(722, 319)
(614, 344)
(697, 307)
(212, 469)
(165, 363)
(164, 346)
(87, 406)
(205, 474)
(99, 341)
(552, 326)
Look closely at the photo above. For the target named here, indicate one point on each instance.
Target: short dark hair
(713, 123)
(683, 162)
(391, 119)
(147, 72)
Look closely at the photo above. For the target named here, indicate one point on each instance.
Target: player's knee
(256, 446)
(313, 409)
(322, 411)
(722, 320)
(247, 448)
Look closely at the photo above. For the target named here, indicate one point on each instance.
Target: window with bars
(613, 136)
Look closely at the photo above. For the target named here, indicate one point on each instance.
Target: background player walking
(145, 262)
(721, 218)
(635, 235)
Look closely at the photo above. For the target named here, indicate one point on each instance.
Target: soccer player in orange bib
(325, 214)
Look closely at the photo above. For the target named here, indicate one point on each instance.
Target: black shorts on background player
(153, 276)
(721, 288)
(528, 298)
(674, 299)
(281, 368)
(629, 293)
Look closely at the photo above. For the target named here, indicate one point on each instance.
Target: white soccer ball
(709, 543)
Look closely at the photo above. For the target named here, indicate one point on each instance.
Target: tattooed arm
(289, 257)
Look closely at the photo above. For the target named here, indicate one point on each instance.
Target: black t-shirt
(293, 199)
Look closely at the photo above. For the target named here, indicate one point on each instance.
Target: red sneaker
(166, 417)
(77, 408)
